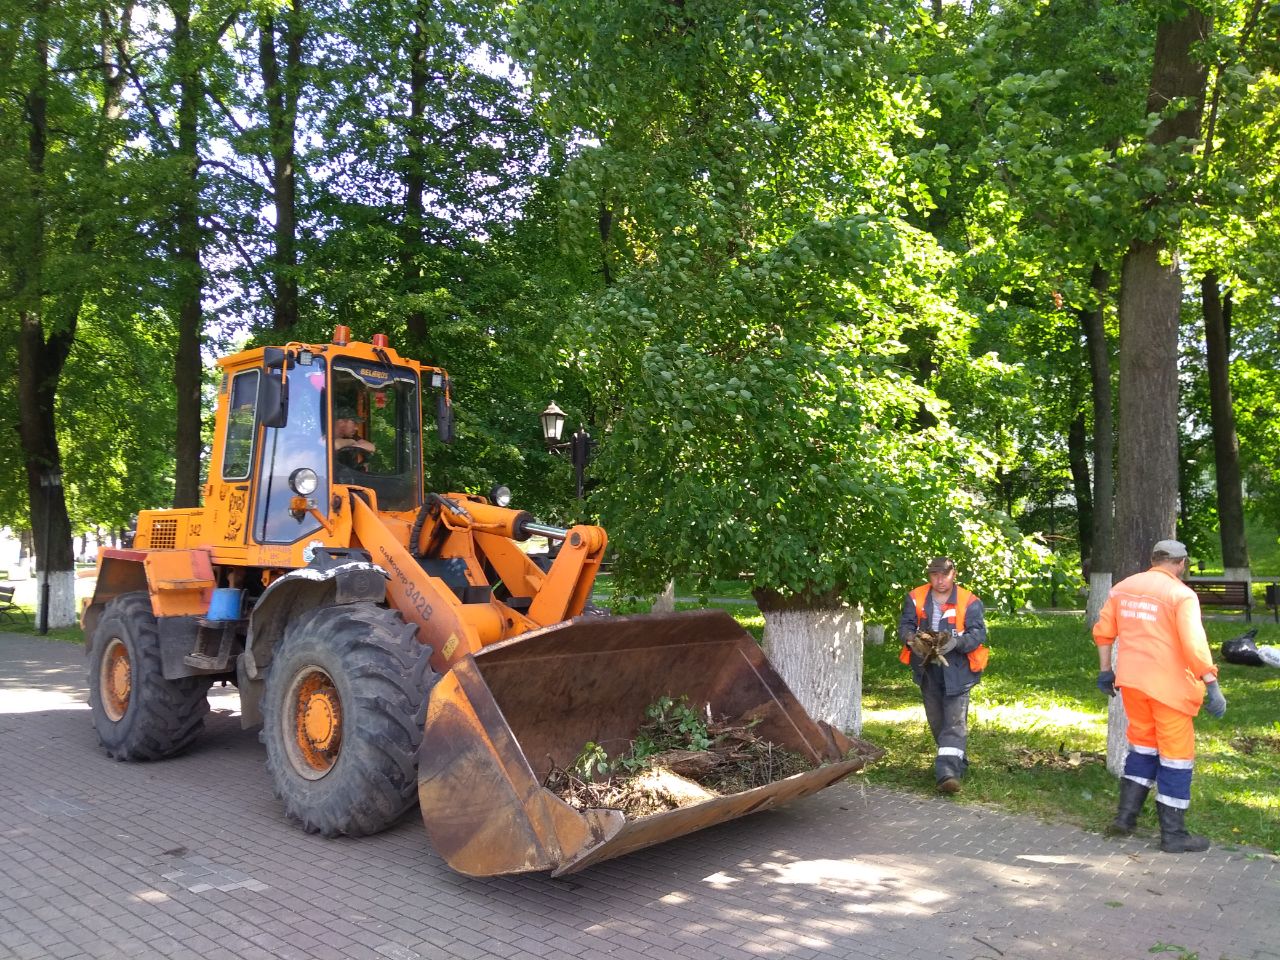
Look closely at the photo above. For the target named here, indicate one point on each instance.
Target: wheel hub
(115, 680)
(316, 721)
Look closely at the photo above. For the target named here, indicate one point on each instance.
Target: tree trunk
(1146, 507)
(415, 184)
(1226, 446)
(1117, 739)
(190, 285)
(41, 359)
(281, 94)
(1150, 302)
(818, 653)
(665, 602)
(1101, 539)
(1078, 463)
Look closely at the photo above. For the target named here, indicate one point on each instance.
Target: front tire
(343, 710)
(137, 713)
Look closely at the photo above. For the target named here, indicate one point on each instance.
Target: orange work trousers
(1153, 724)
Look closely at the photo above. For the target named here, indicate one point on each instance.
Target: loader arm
(458, 626)
(452, 628)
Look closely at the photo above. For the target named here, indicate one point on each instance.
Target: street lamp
(579, 445)
(552, 424)
(49, 482)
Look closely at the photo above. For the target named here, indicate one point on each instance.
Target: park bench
(10, 611)
(1235, 594)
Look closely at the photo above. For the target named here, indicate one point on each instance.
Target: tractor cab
(302, 420)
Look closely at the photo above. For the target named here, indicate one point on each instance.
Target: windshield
(376, 431)
(299, 443)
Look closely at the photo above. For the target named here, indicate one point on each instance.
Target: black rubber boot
(1132, 796)
(1173, 831)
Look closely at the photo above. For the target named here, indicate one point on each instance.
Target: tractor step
(221, 632)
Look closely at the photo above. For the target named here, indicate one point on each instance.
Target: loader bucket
(499, 721)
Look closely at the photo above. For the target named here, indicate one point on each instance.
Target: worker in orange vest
(1163, 670)
(940, 605)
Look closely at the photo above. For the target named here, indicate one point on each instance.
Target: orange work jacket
(953, 612)
(1154, 618)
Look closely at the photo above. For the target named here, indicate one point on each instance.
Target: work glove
(1107, 682)
(1214, 702)
(918, 645)
(950, 644)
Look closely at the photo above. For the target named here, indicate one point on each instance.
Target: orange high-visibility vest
(950, 612)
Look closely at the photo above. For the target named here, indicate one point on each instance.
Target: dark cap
(346, 413)
(1168, 550)
(940, 565)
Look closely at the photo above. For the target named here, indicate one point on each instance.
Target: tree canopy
(828, 285)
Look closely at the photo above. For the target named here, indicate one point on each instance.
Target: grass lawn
(66, 634)
(1038, 733)
(1038, 729)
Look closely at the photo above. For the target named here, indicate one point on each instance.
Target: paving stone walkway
(191, 858)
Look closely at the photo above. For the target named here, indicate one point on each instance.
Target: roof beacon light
(380, 340)
(341, 335)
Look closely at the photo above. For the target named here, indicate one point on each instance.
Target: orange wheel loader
(396, 645)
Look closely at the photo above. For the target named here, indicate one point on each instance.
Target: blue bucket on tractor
(225, 604)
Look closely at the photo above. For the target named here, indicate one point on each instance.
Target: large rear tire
(137, 713)
(343, 710)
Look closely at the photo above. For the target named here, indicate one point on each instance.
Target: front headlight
(303, 481)
(500, 496)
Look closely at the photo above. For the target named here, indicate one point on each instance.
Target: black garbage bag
(1242, 650)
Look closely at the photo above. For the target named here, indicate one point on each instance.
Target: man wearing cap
(941, 606)
(1163, 670)
(346, 429)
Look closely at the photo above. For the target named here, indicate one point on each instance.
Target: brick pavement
(191, 858)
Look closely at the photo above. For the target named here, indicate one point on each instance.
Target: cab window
(242, 424)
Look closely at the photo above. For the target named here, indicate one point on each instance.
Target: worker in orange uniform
(1163, 670)
(940, 605)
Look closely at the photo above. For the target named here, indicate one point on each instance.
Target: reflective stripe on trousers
(1161, 748)
(948, 722)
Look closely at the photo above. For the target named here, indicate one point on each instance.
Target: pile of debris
(735, 760)
(928, 644)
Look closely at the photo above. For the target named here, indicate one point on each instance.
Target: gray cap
(1169, 550)
(940, 565)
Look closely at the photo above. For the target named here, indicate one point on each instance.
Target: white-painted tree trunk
(62, 598)
(1117, 722)
(1117, 727)
(1099, 588)
(666, 602)
(818, 654)
(1238, 573)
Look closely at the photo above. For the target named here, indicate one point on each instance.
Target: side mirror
(273, 358)
(444, 419)
(273, 400)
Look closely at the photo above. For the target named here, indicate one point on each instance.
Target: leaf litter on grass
(1028, 758)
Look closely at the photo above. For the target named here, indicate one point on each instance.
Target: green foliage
(748, 355)
(669, 724)
(592, 761)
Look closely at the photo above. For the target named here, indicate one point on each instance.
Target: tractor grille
(164, 534)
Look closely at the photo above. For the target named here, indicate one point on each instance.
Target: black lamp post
(49, 482)
(579, 445)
